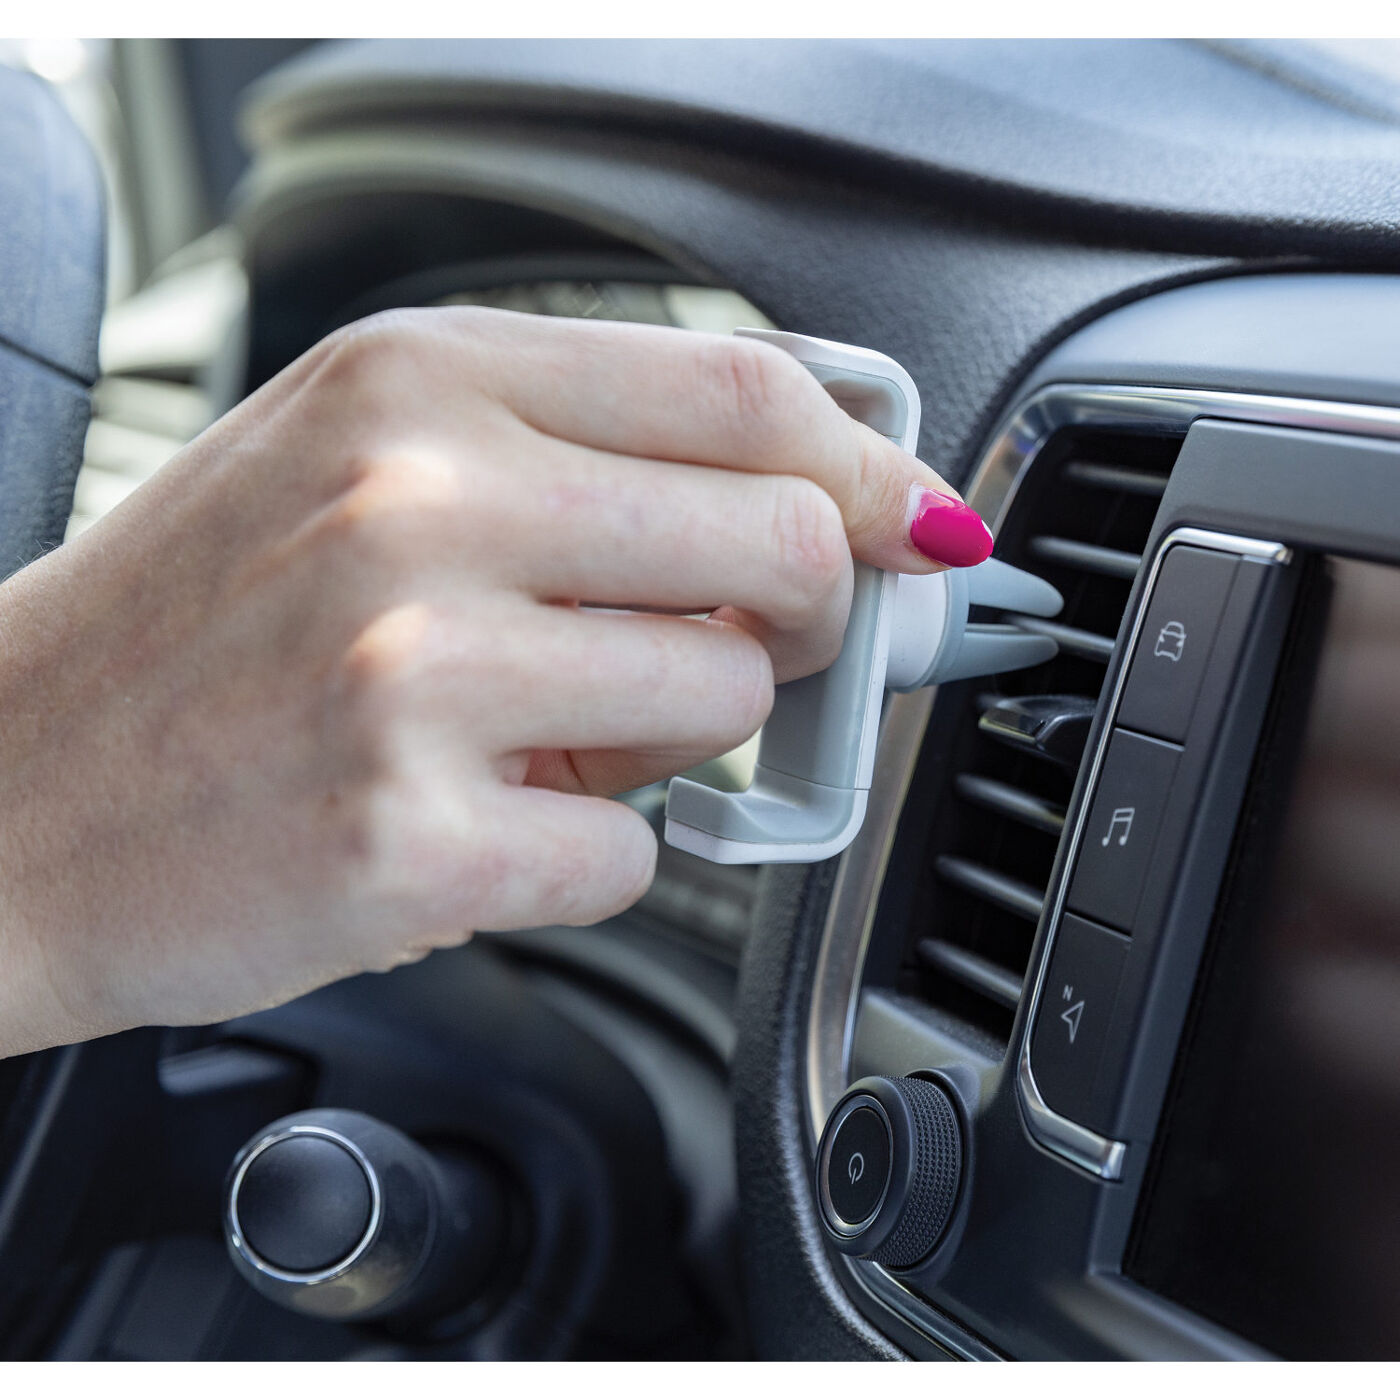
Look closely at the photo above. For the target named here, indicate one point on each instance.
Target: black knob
(889, 1168)
(305, 1202)
(336, 1214)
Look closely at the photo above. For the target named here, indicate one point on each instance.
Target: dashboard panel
(1068, 344)
(1112, 1208)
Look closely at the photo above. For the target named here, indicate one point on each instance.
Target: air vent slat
(1092, 558)
(1015, 896)
(1109, 478)
(1073, 640)
(1012, 802)
(1003, 758)
(993, 982)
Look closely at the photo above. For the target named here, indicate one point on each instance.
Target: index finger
(724, 401)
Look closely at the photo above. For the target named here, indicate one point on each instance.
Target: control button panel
(1117, 842)
(1175, 642)
(1145, 863)
(1076, 1004)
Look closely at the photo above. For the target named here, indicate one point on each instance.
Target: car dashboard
(1134, 911)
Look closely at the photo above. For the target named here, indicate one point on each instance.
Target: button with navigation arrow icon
(1076, 1005)
(1071, 1017)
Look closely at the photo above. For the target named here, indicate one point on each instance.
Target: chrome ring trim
(834, 1219)
(235, 1228)
(1085, 1148)
(1022, 432)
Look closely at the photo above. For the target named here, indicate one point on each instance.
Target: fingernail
(947, 531)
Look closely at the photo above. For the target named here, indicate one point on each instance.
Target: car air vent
(138, 424)
(1011, 748)
(162, 377)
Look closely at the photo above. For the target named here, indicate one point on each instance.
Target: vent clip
(817, 751)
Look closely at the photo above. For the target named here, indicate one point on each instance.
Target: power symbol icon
(858, 1169)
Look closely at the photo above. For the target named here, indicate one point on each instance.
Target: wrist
(36, 1013)
(32, 1015)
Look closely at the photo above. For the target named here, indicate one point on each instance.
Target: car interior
(1087, 1045)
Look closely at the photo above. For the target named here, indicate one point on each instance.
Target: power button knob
(889, 1169)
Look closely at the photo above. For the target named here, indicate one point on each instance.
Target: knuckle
(882, 480)
(387, 651)
(814, 557)
(631, 858)
(639, 868)
(369, 354)
(755, 384)
(371, 698)
(416, 853)
(593, 878)
(392, 480)
(827, 647)
(395, 502)
(363, 844)
(407, 667)
(748, 691)
(485, 321)
(364, 347)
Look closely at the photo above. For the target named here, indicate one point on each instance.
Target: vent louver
(1081, 521)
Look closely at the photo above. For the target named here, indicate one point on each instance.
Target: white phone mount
(817, 751)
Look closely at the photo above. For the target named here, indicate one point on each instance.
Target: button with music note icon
(1115, 846)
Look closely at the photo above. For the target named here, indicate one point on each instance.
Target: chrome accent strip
(998, 476)
(1085, 1148)
(235, 1226)
(1025, 429)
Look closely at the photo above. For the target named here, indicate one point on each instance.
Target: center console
(1153, 966)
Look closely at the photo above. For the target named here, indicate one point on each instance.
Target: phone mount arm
(817, 751)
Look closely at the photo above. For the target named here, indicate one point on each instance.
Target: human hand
(320, 697)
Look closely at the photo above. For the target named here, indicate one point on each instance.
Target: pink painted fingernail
(947, 531)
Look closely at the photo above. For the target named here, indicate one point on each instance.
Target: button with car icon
(1175, 640)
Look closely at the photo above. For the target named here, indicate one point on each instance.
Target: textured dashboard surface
(965, 304)
(1274, 140)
